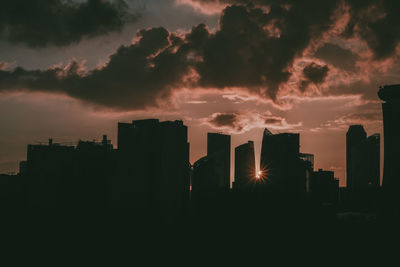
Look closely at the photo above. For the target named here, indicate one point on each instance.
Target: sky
(71, 70)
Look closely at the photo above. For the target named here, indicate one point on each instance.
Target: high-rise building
(391, 114)
(245, 172)
(355, 138)
(153, 167)
(362, 165)
(280, 162)
(219, 147)
(61, 176)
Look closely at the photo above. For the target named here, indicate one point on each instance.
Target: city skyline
(230, 66)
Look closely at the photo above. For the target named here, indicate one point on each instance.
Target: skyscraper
(355, 137)
(280, 163)
(219, 147)
(362, 164)
(245, 171)
(153, 166)
(391, 114)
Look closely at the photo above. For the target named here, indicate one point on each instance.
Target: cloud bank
(39, 23)
(254, 49)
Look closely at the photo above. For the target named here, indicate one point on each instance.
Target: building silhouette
(205, 186)
(355, 137)
(153, 167)
(324, 187)
(219, 148)
(280, 163)
(391, 114)
(49, 171)
(61, 176)
(362, 166)
(245, 172)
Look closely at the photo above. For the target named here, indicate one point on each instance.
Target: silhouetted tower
(153, 166)
(245, 164)
(280, 162)
(355, 137)
(219, 147)
(391, 171)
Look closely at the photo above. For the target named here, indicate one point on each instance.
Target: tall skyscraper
(391, 114)
(355, 137)
(280, 162)
(362, 164)
(245, 172)
(219, 147)
(153, 166)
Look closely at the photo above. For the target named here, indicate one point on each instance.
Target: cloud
(343, 122)
(57, 22)
(373, 21)
(313, 74)
(253, 50)
(3, 65)
(360, 118)
(240, 53)
(377, 23)
(237, 123)
(135, 77)
(337, 56)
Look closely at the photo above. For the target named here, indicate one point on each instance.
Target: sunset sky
(71, 70)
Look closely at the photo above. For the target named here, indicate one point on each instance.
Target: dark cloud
(377, 22)
(39, 23)
(240, 122)
(134, 78)
(313, 73)
(254, 48)
(274, 121)
(337, 56)
(224, 119)
(241, 53)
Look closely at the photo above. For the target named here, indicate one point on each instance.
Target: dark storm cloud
(337, 56)
(240, 122)
(39, 23)
(134, 78)
(377, 22)
(274, 121)
(224, 119)
(241, 53)
(313, 73)
(254, 48)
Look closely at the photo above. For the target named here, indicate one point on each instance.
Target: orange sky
(220, 66)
